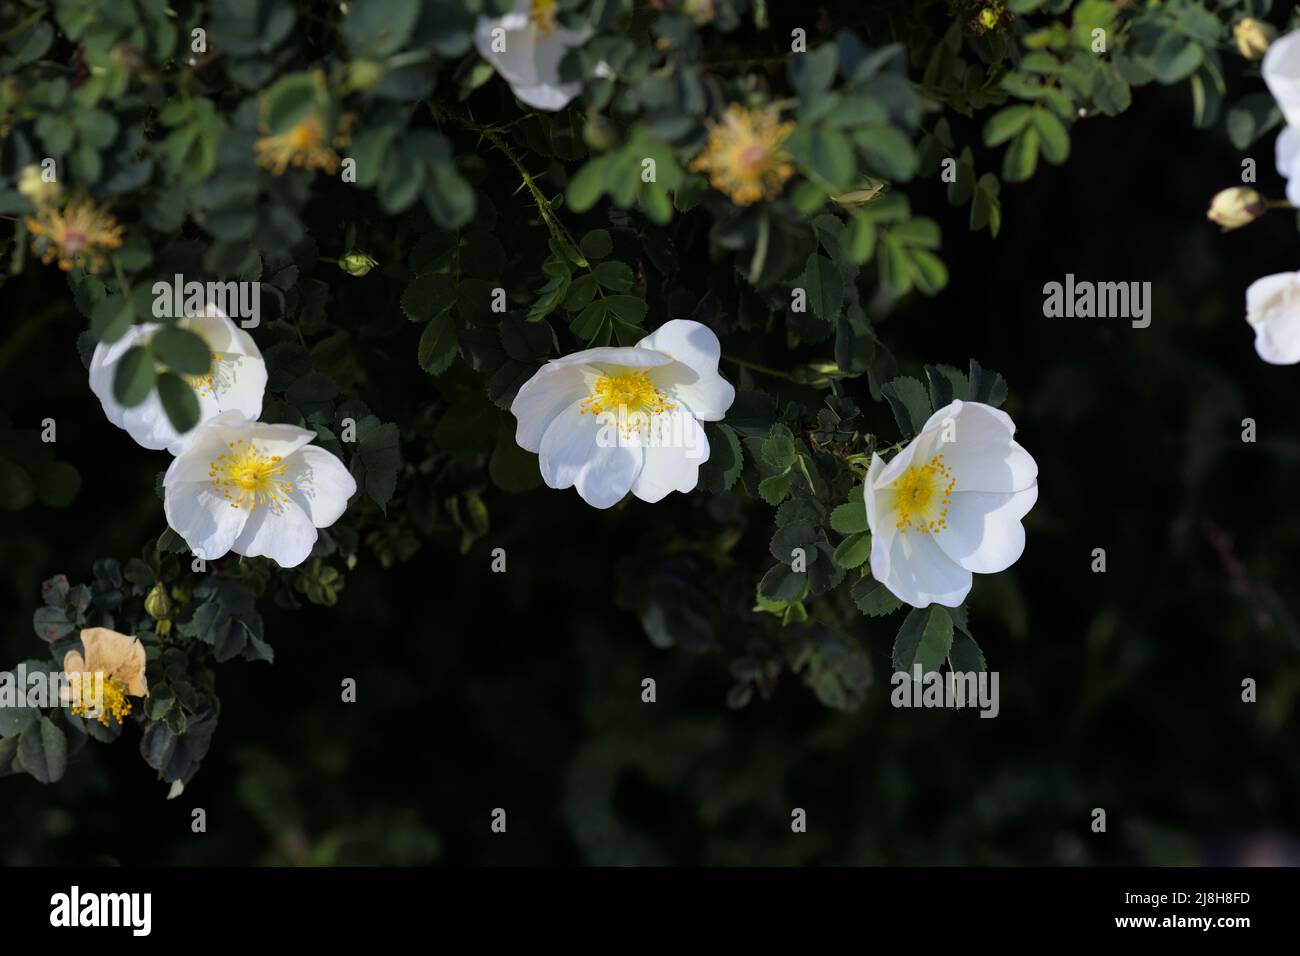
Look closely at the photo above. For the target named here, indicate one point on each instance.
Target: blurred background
(1120, 690)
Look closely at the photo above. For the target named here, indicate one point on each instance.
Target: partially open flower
(525, 47)
(744, 157)
(111, 670)
(235, 381)
(1236, 207)
(1273, 311)
(254, 489)
(1253, 37)
(79, 233)
(949, 505)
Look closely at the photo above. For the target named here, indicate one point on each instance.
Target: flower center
(113, 702)
(922, 495)
(247, 477)
(626, 393)
(207, 384)
(542, 15)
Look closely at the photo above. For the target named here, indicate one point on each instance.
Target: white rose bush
(581, 260)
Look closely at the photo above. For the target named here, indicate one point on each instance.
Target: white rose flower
(528, 50)
(949, 505)
(235, 382)
(1281, 69)
(254, 489)
(610, 420)
(1273, 311)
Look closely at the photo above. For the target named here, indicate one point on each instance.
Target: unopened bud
(157, 604)
(34, 187)
(1253, 37)
(356, 263)
(1235, 207)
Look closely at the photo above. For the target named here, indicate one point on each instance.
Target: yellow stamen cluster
(248, 477)
(78, 234)
(743, 157)
(207, 384)
(922, 495)
(542, 15)
(114, 703)
(305, 145)
(629, 395)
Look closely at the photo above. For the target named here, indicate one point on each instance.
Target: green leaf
(853, 550)
(774, 490)
(1021, 157)
(778, 449)
(178, 401)
(614, 275)
(726, 459)
(851, 517)
(134, 378)
(1054, 141)
(43, 751)
(873, 598)
(378, 28)
(438, 346)
(596, 244)
(965, 655)
(888, 152)
(111, 317)
(924, 638)
(910, 403)
(182, 351)
(1006, 123)
(824, 152)
(825, 287)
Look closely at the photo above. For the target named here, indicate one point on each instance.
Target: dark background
(1119, 690)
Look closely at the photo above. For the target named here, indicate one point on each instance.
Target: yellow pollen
(114, 704)
(744, 156)
(247, 477)
(922, 495)
(629, 395)
(542, 15)
(206, 384)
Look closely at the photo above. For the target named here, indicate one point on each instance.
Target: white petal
(570, 454)
(920, 574)
(614, 357)
(1281, 69)
(984, 533)
(981, 454)
(207, 521)
(551, 390)
(282, 533)
(547, 96)
(1273, 311)
(321, 485)
(1287, 150)
(516, 62)
(194, 463)
(694, 379)
(674, 465)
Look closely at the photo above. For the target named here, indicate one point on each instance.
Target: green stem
(754, 366)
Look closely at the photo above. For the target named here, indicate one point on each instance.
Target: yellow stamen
(922, 495)
(630, 396)
(248, 477)
(114, 702)
(78, 234)
(744, 157)
(542, 15)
